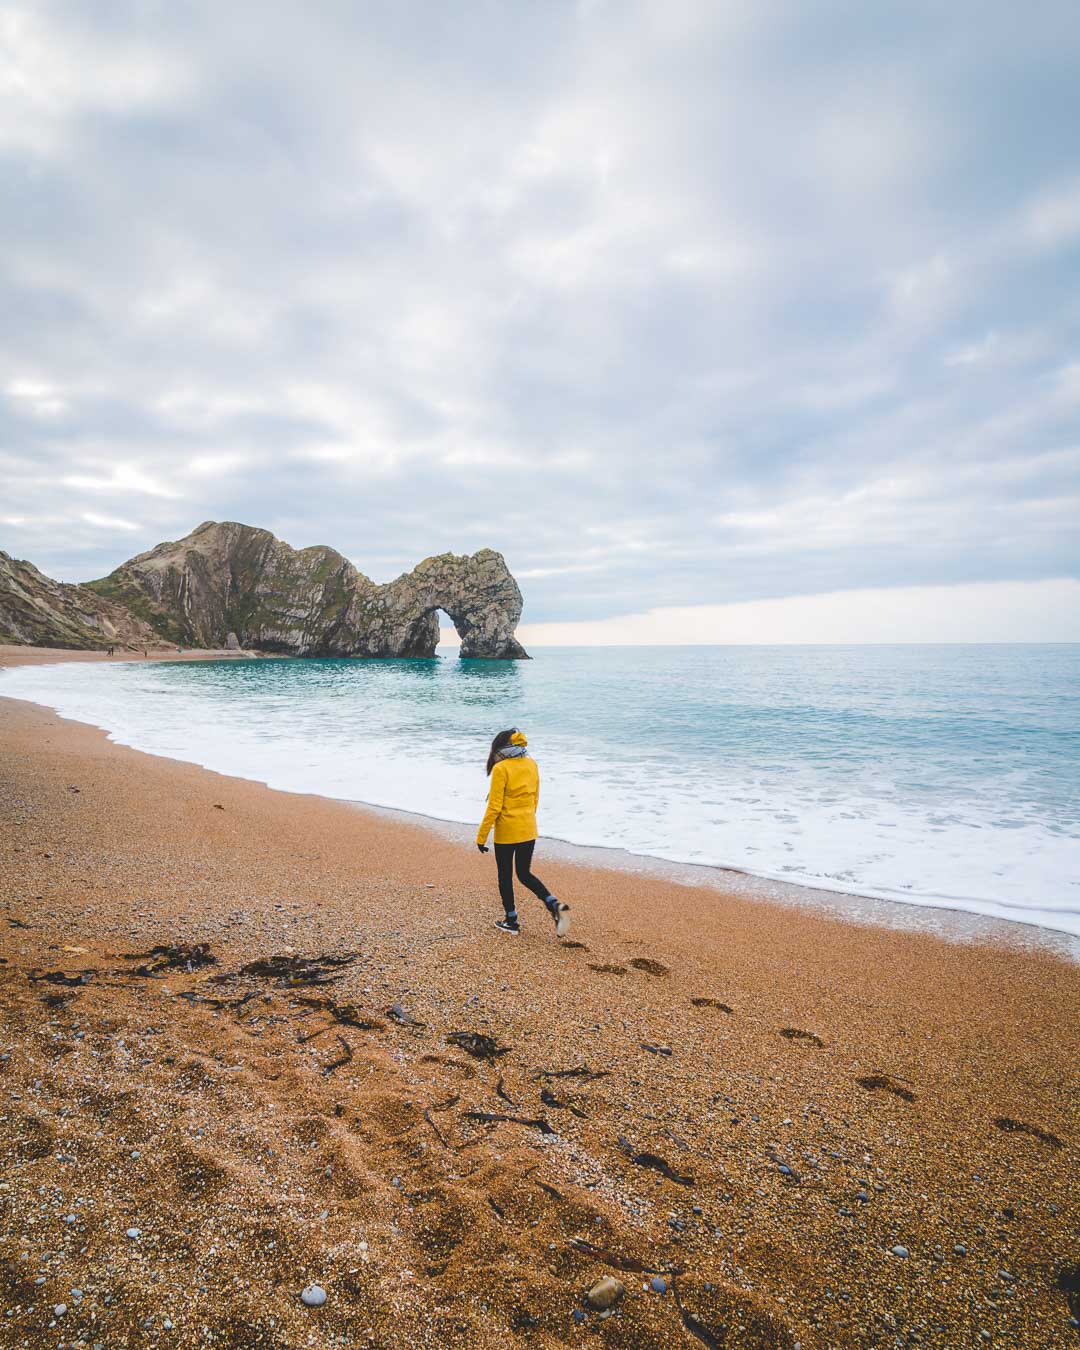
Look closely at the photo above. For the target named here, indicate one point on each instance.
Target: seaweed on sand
(655, 1163)
(187, 956)
(62, 977)
(295, 971)
(582, 1071)
(610, 1258)
(478, 1045)
(492, 1118)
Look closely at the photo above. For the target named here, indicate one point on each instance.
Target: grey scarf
(511, 752)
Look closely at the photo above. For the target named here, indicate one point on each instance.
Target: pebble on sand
(134, 1232)
(314, 1296)
(657, 1285)
(899, 1251)
(605, 1293)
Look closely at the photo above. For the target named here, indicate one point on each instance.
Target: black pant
(506, 855)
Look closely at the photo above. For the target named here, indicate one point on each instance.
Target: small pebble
(657, 1285)
(960, 1249)
(605, 1293)
(134, 1232)
(578, 1315)
(60, 1310)
(314, 1296)
(899, 1251)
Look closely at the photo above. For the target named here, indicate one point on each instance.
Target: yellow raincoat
(512, 799)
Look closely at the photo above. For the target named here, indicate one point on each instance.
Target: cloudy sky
(674, 303)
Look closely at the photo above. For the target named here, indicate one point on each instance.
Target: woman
(511, 808)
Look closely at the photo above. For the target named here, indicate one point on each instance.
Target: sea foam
(933, 775)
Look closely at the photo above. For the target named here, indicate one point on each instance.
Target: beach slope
(254, 1042)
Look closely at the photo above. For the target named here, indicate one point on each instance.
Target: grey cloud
(674, 294)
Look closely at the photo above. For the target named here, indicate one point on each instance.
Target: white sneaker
(560, 912)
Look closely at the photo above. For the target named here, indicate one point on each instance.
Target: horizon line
(984, 642)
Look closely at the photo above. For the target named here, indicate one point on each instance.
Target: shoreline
(13, 655)
(771, 1099)
(857, 907)
(938, 915)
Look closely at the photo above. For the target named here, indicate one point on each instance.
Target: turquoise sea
(939, 775)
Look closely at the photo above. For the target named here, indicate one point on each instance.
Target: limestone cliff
(39, 612)
(228, 584)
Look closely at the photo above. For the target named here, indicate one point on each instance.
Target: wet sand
(921, 1094)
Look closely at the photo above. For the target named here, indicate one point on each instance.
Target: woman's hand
(482, 847)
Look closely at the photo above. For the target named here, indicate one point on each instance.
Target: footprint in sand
(449, 1063)
(1011, 1126)
(648, 966)
(794, 1034)
(195, 1175)
(1068, 1281)
(608, 970)
(710, 1003)
(576, 946)
(33, 1138)
(881, 1082)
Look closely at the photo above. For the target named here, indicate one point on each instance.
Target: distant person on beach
(511, 809)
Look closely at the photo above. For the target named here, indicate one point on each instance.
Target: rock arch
(229, 580)
(477, 593)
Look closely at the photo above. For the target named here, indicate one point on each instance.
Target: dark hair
(501, 741)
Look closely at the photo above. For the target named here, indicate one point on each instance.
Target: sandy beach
(804, 1132)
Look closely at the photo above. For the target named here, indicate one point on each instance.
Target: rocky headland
(36, 611)
(232, 585)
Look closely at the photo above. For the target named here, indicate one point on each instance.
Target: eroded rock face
(477, 592)
(234, 581)
(36, 611)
